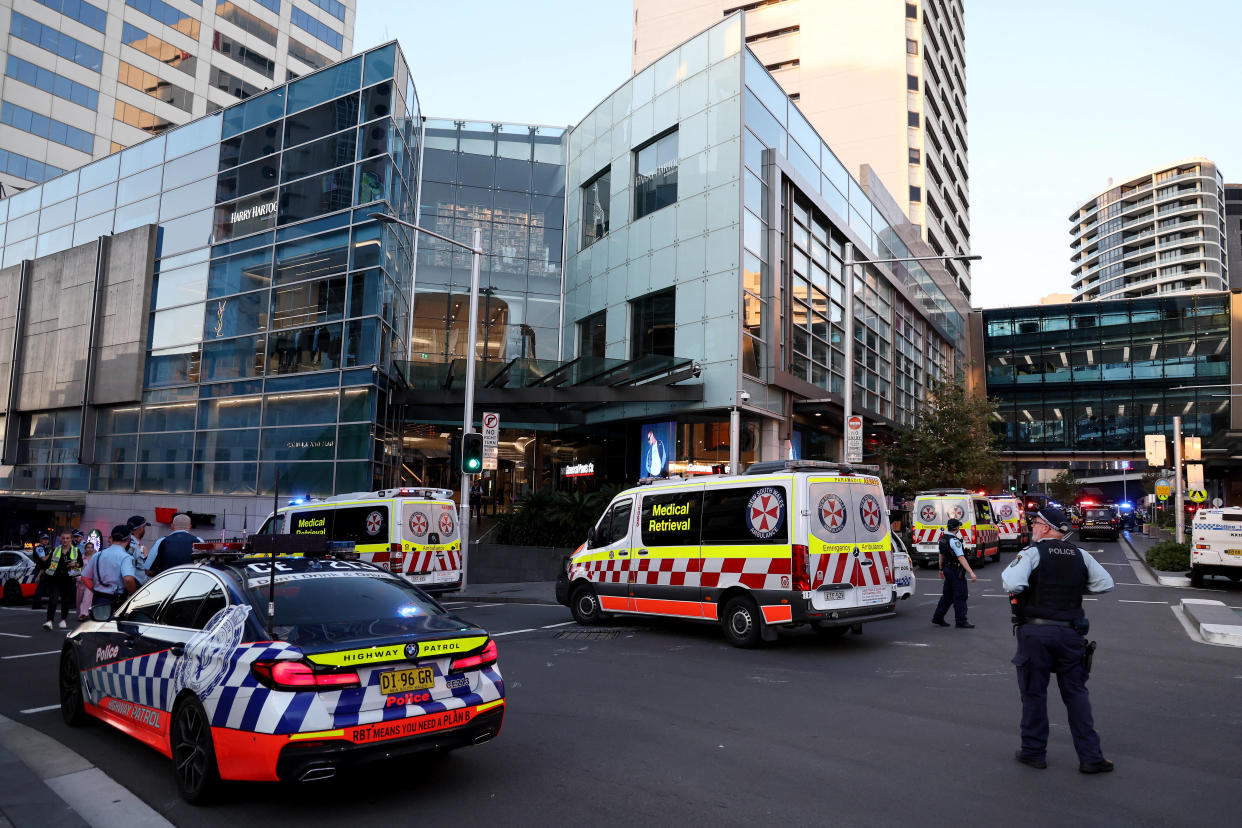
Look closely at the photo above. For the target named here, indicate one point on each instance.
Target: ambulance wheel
(12, 592)
(742, 624)
(193, 754)
(585, 607)
(1196, 578)
(72, 709)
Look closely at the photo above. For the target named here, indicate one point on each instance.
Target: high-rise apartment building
(1233, 233)
(84, 78)
(883, 81)
(1159, 232)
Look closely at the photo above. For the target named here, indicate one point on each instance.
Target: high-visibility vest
(75, 559)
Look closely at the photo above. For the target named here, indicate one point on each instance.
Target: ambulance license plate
(834, 596)
(402, 681)
(1233, 551)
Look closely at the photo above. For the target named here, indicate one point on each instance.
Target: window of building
(652, 321)
(271, 5)
(161, 50)
(332, 7)
(591, 335)
(916, 193)
(307, 55)
(232, 84)
(595, 207)
(245, 56)
(49, 437)
(80, 11)
(245, 21)
(320, 30)
(45, 37)
(915, 155)
(912, 11)
(50, 82)
(155, 86)
(183, 22)
(19, 166)
(135, 117)
(45, 127)
(912, 47)
(655, 175)
(912, 83)
(912, 119)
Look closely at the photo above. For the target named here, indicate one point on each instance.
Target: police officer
(1049, 578)
(954, 570)
(109, 574)
(175, 549)
(42, 553)
(138, 528)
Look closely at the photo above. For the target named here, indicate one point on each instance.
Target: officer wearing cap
(109, 574)
(1049, 578)
(954, 570)
(138, 527)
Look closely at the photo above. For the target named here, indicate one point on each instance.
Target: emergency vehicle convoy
(933, 509)
(412, 531)
(786, 543)
(1012, 530)
(356, 665)
(1216, 544)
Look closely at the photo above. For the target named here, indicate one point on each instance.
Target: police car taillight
(477, 661)
(801, 573)
(296, 675)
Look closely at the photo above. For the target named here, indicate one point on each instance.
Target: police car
(1216, 544)
(357, 665)
(18, 575)
(903, 569)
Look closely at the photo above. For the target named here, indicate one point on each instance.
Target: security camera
(743, 396)
(697, 370)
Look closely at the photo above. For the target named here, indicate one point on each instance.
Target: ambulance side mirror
(591, 538)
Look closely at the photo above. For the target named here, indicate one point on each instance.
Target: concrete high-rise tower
(83, 78)
(883, 81)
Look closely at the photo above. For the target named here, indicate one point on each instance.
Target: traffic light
(471, 453)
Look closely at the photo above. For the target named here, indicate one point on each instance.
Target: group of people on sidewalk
(76, 575)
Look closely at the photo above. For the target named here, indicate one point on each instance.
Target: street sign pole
(1179, 482)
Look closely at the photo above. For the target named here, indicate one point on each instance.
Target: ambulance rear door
(851, 557)
(431, 541)
(873, 575)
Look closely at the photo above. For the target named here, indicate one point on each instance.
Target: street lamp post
(472, 335)
(847, 393)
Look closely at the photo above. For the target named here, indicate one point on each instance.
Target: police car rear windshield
(1099, 514)
(327, 600)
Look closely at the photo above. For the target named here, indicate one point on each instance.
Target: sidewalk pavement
(1139, 544)
(533, 592)
(47, 784)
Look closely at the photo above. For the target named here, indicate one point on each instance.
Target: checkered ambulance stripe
(600, 571)
(845, 568)
(751, 572)
(666, 571)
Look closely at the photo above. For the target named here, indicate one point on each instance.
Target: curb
(1161, 578)
(88, 793)
(499, 599)
(1211, 618)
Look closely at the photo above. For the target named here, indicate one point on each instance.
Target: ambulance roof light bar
(772, 466)
(945, 492)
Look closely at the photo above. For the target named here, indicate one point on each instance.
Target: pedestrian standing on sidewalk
(954, 570)
(83, 591)
(1049, 579)
(110, 575)
(64, 565)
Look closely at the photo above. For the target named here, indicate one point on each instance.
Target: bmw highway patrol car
(788, 543)
(356, 665)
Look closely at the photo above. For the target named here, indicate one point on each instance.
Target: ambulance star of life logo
(765, 512)
(446, 524)
(832, 513)
(375, 522)
(869, 511)
(928, 513)
(959, 512)
(418, 524)
(1006, 511)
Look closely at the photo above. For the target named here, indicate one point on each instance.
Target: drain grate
(589, 635)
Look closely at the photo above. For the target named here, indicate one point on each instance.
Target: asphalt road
(663, 723)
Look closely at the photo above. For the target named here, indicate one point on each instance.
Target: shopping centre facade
(215, 314)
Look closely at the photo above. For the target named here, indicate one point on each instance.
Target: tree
(951, 445)
(1065, 487)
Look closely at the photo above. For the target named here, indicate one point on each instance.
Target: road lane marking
(908, 644)
(1126, 601)
(1105, 563)
(29, 655)
(562, 624)
(15, 635)
(511, 632)
(42, 709)
(480, 606)
(21, 609)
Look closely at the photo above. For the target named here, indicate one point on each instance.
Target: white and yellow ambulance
(788, 543)
(933, 509)
(411, 531)
(1011, 527)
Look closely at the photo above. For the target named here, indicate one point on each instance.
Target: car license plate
(401, 681)
(834, 596)
(873, 595)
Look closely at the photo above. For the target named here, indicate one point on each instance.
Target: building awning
(549, 391)
(13, 503)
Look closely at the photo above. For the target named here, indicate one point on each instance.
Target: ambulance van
(933, 509)
(1216, 544)
(1010, 517)
(411, 531)
(786, 544)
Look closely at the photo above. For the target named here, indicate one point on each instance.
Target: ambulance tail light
(297, 675)
(478, 661)
(801, 568)
(1201, 546)
(396, 558)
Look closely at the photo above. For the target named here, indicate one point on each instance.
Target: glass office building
(274, 320)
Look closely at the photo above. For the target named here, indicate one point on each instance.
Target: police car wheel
(193, 755)
(72, 709)
(585, 607)
(12, 591)
(741, 623)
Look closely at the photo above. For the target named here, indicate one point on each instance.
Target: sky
(1061, 96)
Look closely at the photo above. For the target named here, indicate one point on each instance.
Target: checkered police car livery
(18, 575)
(188, 660)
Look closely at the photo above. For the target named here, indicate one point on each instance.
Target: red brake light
(481, 659)
(801, 573)
(298, 675)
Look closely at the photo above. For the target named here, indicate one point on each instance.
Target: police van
(785, 544)
(1011, 526)
(933, 509)
(411, 531)
(1216, 544)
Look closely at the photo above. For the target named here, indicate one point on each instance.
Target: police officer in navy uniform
(1049, 579)
(954, 570)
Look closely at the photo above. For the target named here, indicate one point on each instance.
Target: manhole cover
(589, 635)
